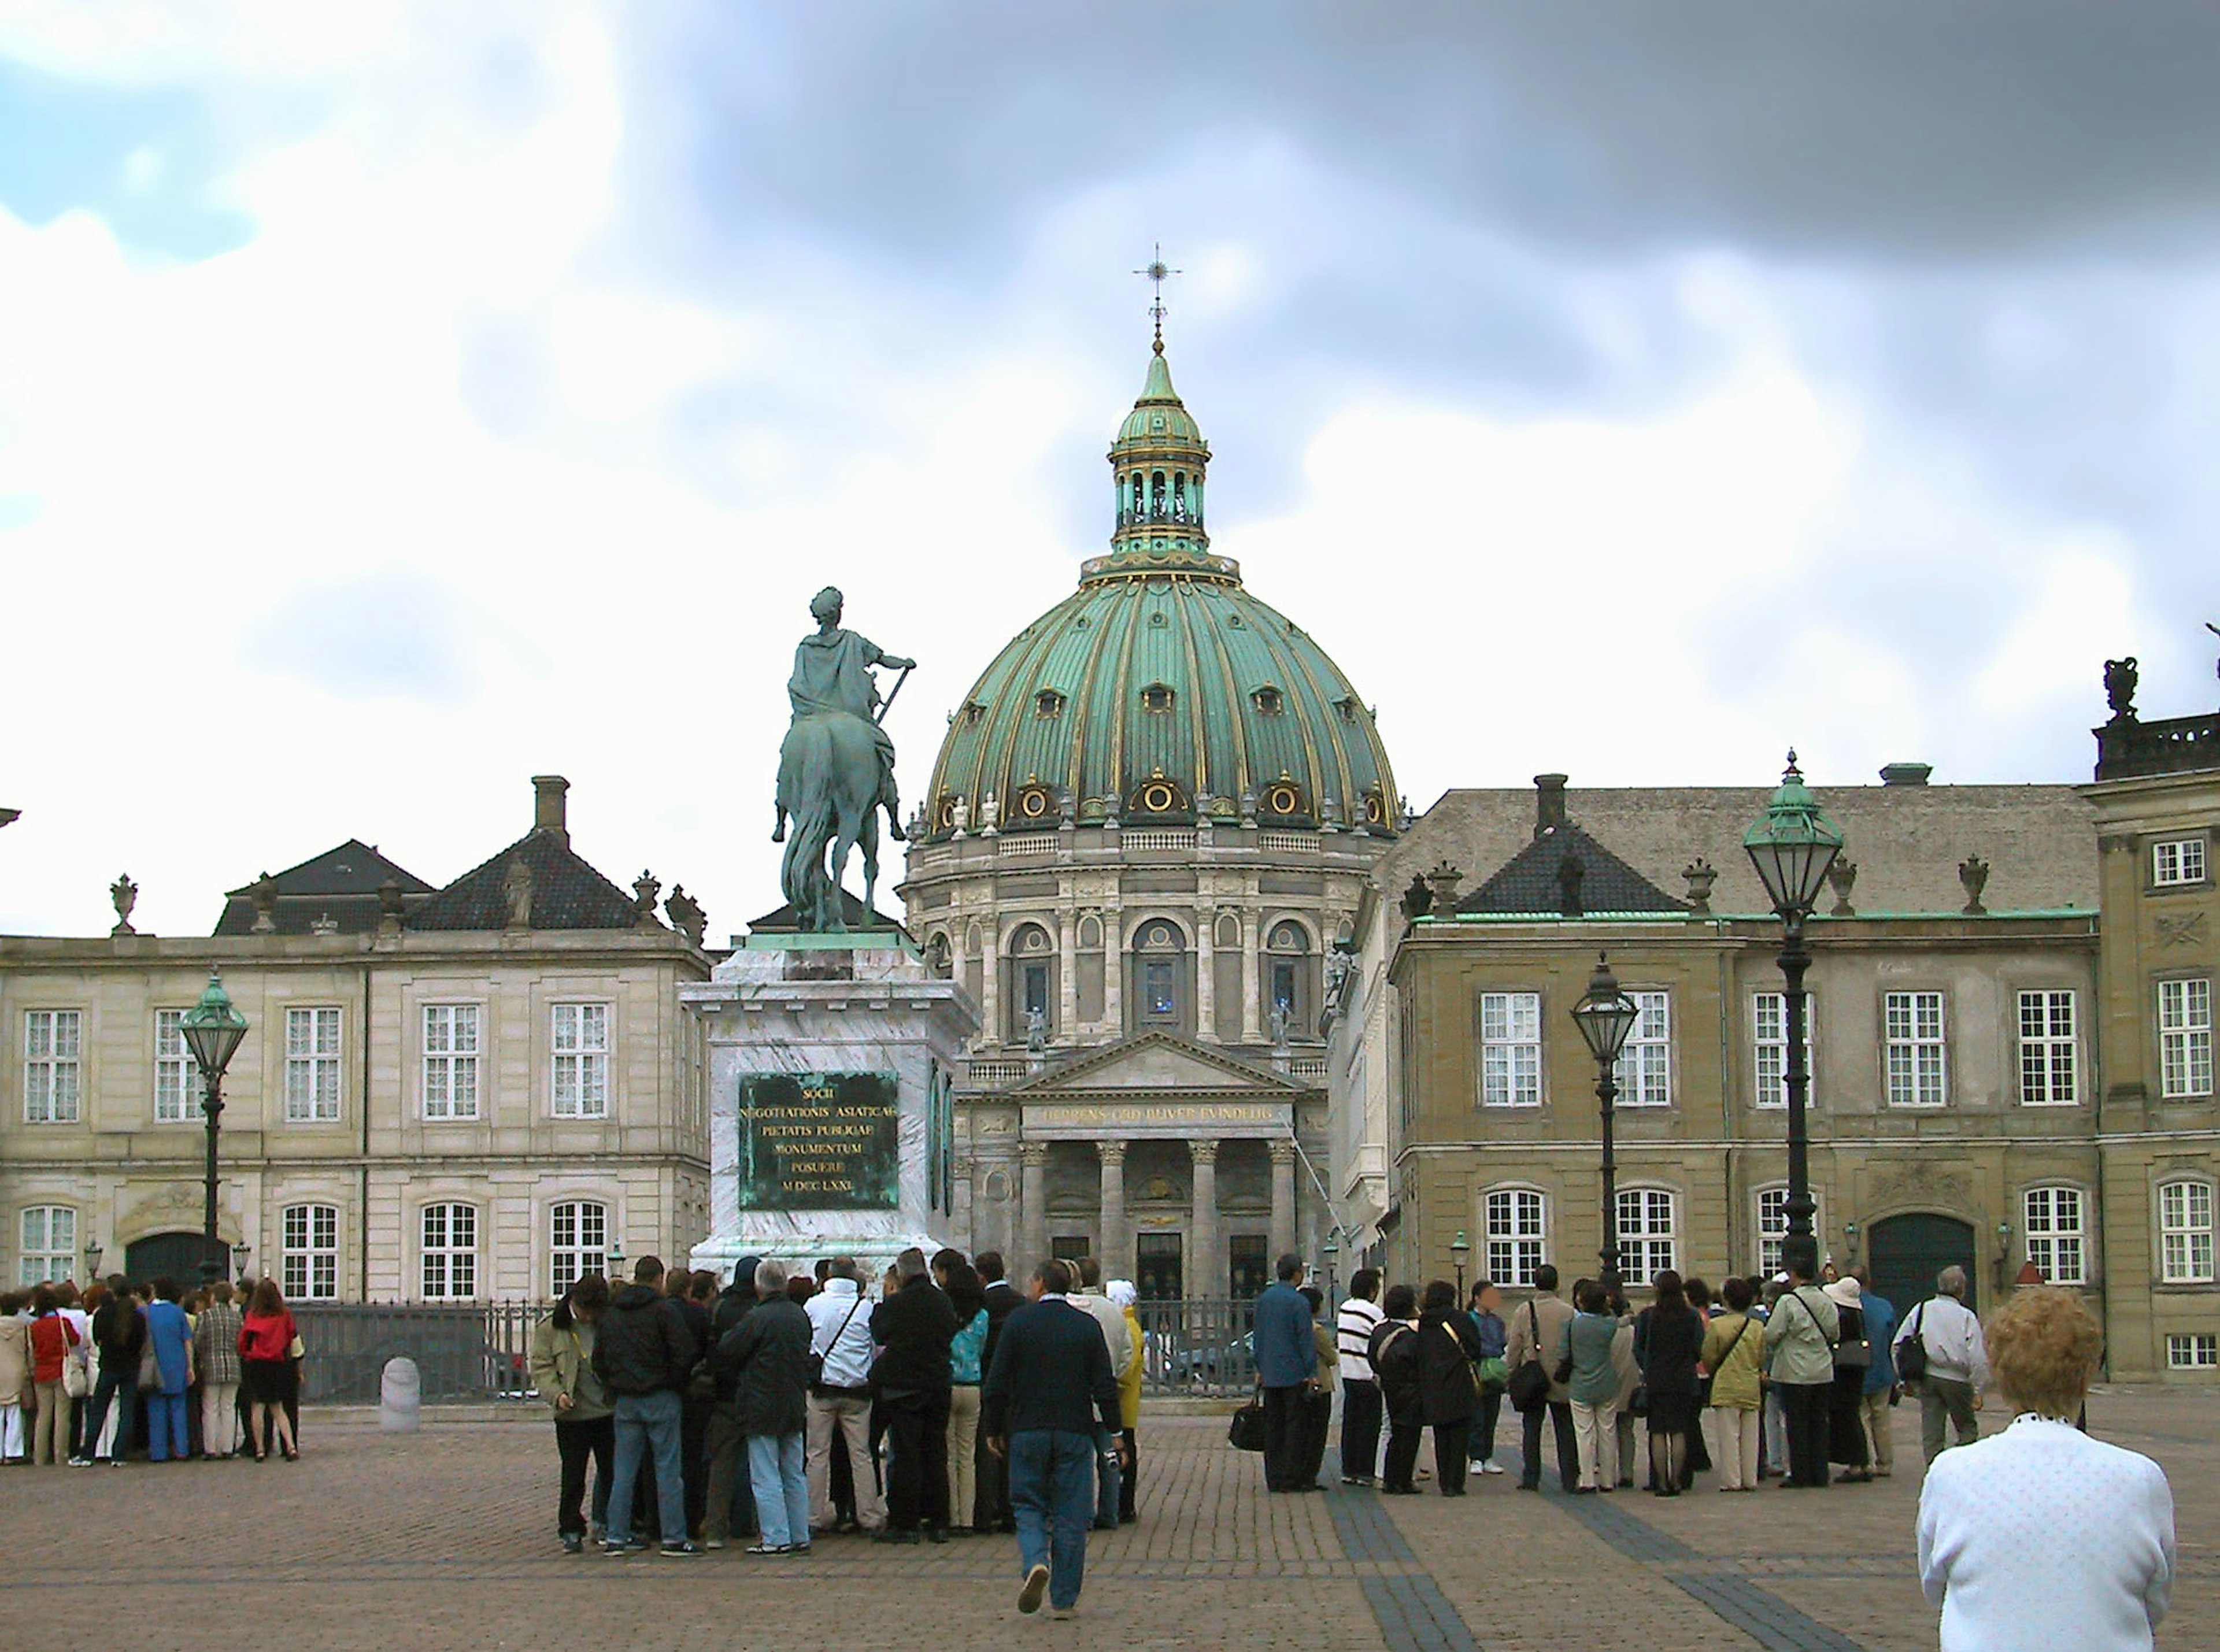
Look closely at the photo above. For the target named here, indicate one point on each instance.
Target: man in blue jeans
(1050, 1388)
(644, 1353)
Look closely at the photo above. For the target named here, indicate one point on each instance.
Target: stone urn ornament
(125, 895)
(1701, 875)
(1841, 877)
(1973, 876)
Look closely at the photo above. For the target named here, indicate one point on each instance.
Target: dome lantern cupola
(1158, 461)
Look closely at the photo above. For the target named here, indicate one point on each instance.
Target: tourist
(1800, 1363)
(268, 1373)
(726, 1442)
(1668, 1342)
(840, 1399)
(119, 1332)
(912, 1380)
(1392, 1352)
(1846, 1421)
(1286, 1370)
(1628, 1371)
(1535, 1331)
(1486, 1316)
(764, 1361)
(1087, 1294)
(959, 1283)
(1358, 1319)
(700, 1397)
(1734, 1352)
(17, 1393)
(585, 1426)
(1882, 1391)
(1593, 1385)
(77, 1371)
(171, 1336)
(1316, 1408)
(1773, 1434)
(1003, 1299)
(1699, 1455)
(1050, 1396)
(2042, 1536)
(645, 1354)
(215, 1356)
(1124, 1293)
(52, 1339)
(1449, 1352)
(1957, 1363)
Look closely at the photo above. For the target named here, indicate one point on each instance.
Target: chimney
(1905, 773)
(547, 814)
(1548, 804)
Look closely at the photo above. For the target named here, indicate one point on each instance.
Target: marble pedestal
(795, 1004)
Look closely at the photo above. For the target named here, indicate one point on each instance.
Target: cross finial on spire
(1157, 271)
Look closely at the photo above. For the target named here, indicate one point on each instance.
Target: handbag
(817, 1360)
(1471, 1367)
(150, 1369)
(1494, 1376)
(1912, 1350)
(1637, 1403)
(1529, 1386)
(77, 1375)
(1246, 1432)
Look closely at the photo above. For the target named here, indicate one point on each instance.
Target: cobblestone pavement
(443, 1538)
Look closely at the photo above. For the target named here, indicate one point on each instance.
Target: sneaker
(615, 1548)
(1063, 1614)
(711, 1543)
(688, 1547)
(773, 1548)
(1035, 1585)
(573, 1544)
(1489, 1466)
(80, 1463)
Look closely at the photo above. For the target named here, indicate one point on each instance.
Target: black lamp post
(1332, 1251)
(1460, 1251)
(1792, 849)
(212, 1029)
(1605, 1017)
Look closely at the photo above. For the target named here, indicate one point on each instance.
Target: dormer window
(1349, 708)
(1269, 701)
(1048, 704)
(973, 714)
(1157, 697)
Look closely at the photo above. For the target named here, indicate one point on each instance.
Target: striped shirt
(1353, 1338)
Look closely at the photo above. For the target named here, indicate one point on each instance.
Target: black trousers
(1450, 1440)
(1482, 1444)
(579, 1444)
(1133, 1472)
(1360, 1428)
(1568, 1451)
(917, 1479)
(1803, 1406)
(1284, 1438)
(1318, 1423)
(1402, 1457)
(994, 1489)
(694, 1458)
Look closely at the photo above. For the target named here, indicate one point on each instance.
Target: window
(49, 1249)
(582, 1060)
(2177, 862)
(312, 1064)
(1514, 1225)
(2185, 1232)
(577, 1243)
(1773, 1228)
(1267, 702)
(1916, 1067)
(51, 1042)
(310, 1269)
(1511, 1049)
(1048, 705)
(2054, 1234)
(2185, 1037)
(2047, 1050)
(450, 1251)
(1159, 995)
(2193, 1351)
(1157, 697)
(451, 1061)
(1248, 1265)
(178, 1090)
(1772, 1021)
(1645, 1233)
(1645, 1064)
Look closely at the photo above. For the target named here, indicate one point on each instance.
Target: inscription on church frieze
(820, 1141)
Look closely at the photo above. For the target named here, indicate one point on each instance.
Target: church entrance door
(1160, 1268)
(1908, 1251)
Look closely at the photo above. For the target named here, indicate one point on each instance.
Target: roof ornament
(1158, 272)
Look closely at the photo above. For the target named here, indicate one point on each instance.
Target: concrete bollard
(399, 1396)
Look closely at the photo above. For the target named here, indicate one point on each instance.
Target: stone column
(1113, 972)
(1205, 973)
(1032, 1207)
(994, 1017)
(1067, 976)
(1284, 1200)
(1204, 1270)
(1116, 1251)
(1252, 1022)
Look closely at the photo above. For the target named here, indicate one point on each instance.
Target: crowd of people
(788, 1408)
(87, 1378)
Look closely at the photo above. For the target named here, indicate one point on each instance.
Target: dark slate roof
(340, 883)
(1530, 881)
(852, 913)
(566, 892)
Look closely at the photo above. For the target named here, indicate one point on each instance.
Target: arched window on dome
(1157, 496)
(1290, 986)
(1163, 979)
(1031, 984)
(1179, 495)
(1268, 701)
(1048, 704)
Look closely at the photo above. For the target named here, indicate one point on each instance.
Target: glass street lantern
(1792, 846)
(1605, 1017)
(212, 1029)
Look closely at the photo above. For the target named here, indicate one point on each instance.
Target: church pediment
(1155, 1064)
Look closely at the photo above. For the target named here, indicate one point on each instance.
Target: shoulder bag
(76, 1373)
(817, 1360)
(1529, 1386)
(1911, 1351)
(1246, 1432)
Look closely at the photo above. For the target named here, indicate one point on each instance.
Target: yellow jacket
(1129, 1380)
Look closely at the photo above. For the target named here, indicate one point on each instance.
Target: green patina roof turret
(1161, 692)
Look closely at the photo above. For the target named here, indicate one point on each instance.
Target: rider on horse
(832, 672)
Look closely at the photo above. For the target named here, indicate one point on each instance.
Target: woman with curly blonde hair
(2040, 1535)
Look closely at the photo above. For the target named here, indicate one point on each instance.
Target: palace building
(1149, 824)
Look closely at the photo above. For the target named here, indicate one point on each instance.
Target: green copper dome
(1161, 692)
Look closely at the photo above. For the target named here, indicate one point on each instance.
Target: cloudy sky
(399, 402)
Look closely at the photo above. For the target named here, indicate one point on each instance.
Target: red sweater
(52, 1339)
(266, 1335)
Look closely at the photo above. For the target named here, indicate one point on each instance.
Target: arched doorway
(174, 1255)
(1906, 1253)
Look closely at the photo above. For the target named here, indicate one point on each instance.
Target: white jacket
(1952, 1333)
(847, 1353)
(1111, 1318)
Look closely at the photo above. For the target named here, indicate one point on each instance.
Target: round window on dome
(1034, 803)
(1282, 798)
(1157, 796)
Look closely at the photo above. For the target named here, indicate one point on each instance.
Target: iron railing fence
(482, 1350)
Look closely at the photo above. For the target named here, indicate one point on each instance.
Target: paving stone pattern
(445, 1539)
